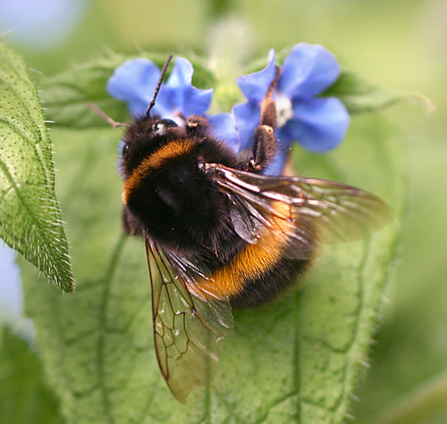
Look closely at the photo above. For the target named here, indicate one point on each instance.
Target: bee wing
(186, 329)
(320, 209)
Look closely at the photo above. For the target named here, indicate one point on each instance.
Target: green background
(396, 44)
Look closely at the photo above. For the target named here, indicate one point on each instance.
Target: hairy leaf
(29, 213)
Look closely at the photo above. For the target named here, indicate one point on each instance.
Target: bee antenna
(106, 118)
(157, 88)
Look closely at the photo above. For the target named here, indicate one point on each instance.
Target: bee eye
(161, 126)
(125, 149)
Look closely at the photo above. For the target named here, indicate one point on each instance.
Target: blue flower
(318, 123)
(224, 128)
(135, 80)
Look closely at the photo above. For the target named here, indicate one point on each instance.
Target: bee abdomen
(257, 291)
(259, 271)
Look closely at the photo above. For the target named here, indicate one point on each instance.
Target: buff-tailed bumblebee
(219, 233)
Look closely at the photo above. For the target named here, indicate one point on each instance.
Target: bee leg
(264, 145)
(264, 148)
(268, 107)
(106, 118)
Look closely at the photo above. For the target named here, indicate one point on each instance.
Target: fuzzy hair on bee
(219, 233)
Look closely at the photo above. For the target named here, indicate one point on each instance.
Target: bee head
(146, 134)
(144, 137)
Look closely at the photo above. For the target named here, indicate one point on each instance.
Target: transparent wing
(186, 329)
(321, 210)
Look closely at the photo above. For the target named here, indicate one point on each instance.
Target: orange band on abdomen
(254, 261)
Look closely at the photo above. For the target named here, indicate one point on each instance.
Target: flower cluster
(318, 123)
(134, 82)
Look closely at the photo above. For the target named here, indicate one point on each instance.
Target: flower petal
(170, 100)
(224, 128)
(181, 95)
(319, 124)
(181, 75)
(307, 71)
(165, 104)
(196, 101)
(247, 117)
(255, 86)
(134, 82)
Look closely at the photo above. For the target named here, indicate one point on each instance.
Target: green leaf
(66, 95)
(424, 404)
(24, 397)
(361, 96)
(29, 213)
(296, 360)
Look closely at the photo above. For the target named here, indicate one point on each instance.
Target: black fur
(177, 204)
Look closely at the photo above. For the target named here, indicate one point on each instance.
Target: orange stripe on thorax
(155, 161)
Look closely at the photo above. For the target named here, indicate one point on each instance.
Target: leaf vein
(102, 325)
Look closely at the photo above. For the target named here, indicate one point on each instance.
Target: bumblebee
(219, 234)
